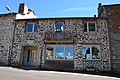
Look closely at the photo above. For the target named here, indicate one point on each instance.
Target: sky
(57, 8)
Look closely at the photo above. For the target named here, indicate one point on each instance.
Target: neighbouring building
(112, 13)
(66, 43)
(7, 24)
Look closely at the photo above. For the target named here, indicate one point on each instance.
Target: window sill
(59, 60)
(31, 32)
(90, 31)
(91, 60)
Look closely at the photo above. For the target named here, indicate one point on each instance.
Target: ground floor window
(59, 52)
(91, 52)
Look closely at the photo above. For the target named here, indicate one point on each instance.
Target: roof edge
(9, 13)
(61, 18)
(112, 5)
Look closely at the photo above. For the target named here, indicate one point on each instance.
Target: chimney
(100, 4)
(23, 8)
(94, 16)
(99, 9)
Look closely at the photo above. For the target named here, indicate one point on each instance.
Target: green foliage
(95, 50)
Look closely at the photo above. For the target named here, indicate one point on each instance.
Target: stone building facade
(7, 25)
(74, 35)
(112, 13)
(69, 43)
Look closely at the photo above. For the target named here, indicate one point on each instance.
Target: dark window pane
(28, 56)
(91, 26)
(59, 26)
(91, 52)
(69, 52)
(35, 27)
(29, 27)
(85, 27)
(86, 52)
(59, 35)
(50, 52)
(59, 51)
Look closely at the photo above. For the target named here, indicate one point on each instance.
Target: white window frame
(63, 54)
(33, 27)
(91, 51)
(88, 26)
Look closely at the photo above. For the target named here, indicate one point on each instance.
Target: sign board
(29, 41)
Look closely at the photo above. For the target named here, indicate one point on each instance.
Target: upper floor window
(89, 26)
(31, 27)
(91, 52)
(59, 26)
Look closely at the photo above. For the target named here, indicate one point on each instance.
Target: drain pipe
(41, 57)
(10, 51)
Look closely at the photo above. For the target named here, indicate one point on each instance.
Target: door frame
(22, 53)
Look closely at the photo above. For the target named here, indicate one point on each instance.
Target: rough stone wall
(6, 34)
(80, 38)
(113, 13)
(20, 40)
(99, 37)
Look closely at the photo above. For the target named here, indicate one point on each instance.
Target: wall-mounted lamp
(8, 8)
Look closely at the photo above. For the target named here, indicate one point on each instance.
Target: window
(59, 52)
(89, 26)
(59, 26)
(91, 52)
(50, 52)
(31, 27)
(59, 35)
(69, 52)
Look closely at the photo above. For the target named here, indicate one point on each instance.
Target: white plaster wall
(26, 16)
